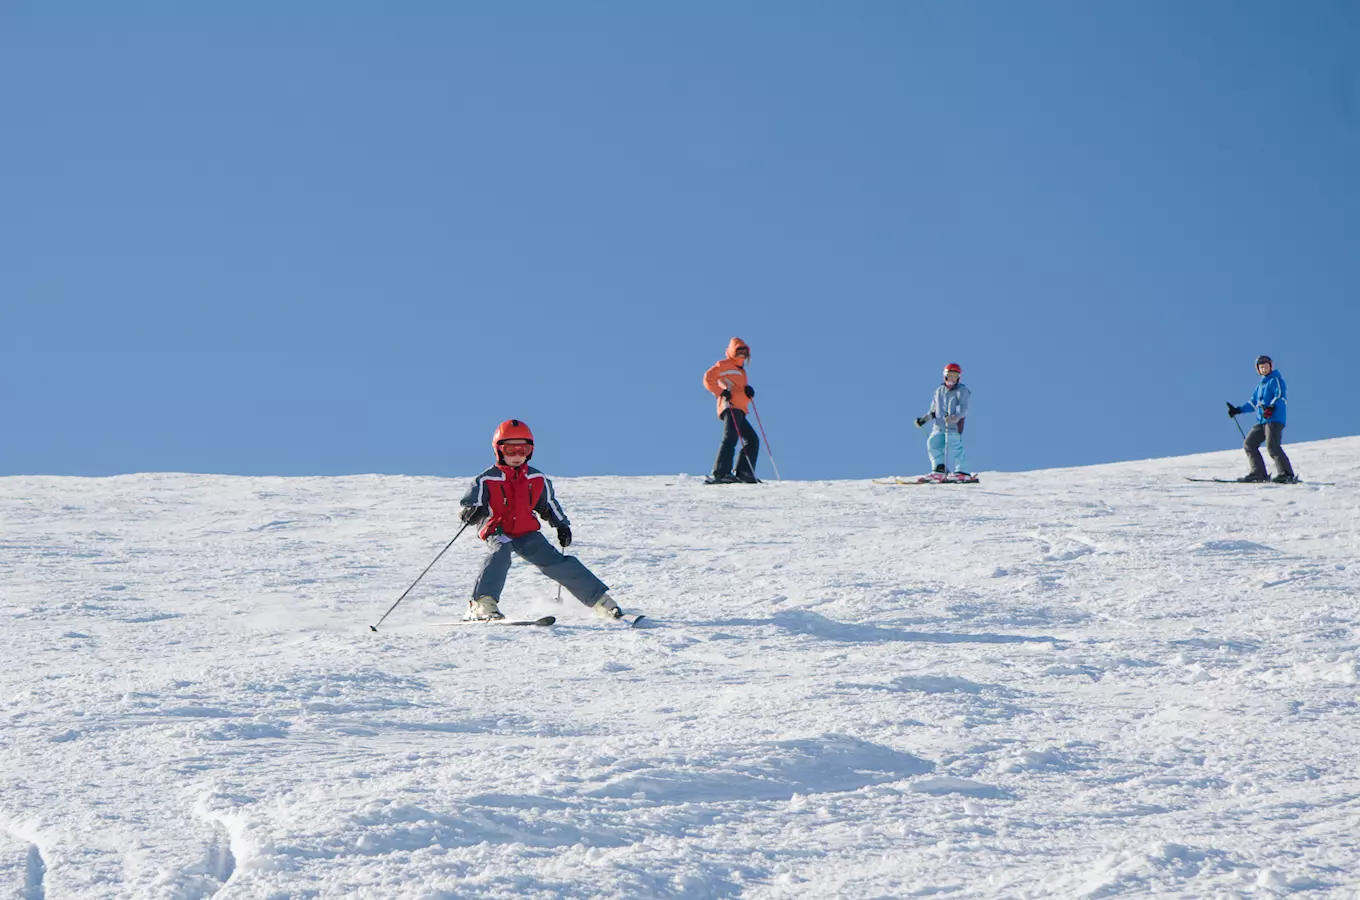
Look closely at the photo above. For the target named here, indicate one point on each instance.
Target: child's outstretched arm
(548, 509)
(473, 506)
(475, 495)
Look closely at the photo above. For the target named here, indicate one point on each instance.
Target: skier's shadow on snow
(798, 621)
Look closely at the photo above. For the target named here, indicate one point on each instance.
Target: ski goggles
(952, 376)
(516, 449)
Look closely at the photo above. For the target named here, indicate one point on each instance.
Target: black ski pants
(1268, 434)
(735, 427)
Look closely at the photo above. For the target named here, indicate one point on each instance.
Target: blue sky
(328, 238)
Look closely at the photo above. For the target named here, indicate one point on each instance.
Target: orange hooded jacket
(729, 373)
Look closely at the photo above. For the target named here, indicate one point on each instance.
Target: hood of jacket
(733, 346)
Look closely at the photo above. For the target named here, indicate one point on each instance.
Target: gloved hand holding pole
(1233, 413)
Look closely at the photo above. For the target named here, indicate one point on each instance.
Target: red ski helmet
(512, 430)
(953, 369)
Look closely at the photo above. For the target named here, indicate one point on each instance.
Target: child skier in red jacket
(509, 498)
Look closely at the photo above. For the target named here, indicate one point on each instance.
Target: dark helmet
(1264, 359)
(512, 430)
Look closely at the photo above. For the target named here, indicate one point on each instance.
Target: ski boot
(483, 609)
(1253, 478)
(1285, 478)
(715, 478)
(939, 470)
(606, 608)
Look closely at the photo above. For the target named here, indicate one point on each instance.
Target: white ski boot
(483, 609)
(607, 608)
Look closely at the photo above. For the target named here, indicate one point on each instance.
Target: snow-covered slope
(1089, 682)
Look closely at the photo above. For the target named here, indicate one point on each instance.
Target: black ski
(629, 619)
(545, 620)
(1235, 481)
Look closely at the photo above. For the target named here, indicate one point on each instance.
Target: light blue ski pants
(935, 445)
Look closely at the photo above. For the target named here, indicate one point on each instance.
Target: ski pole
(1238, 424)
(946, 446)
(374, 626)
(768, 452)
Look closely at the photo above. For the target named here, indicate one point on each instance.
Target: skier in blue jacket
(1269, 403)
(948, 409)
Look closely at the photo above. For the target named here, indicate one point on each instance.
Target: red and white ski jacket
(514, 497)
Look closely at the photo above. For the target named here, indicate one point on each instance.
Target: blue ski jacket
(949, 404)
(1269, 393)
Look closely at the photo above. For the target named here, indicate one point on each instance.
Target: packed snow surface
(1092, 682)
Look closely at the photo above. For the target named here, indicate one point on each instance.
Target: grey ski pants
(1268, 434)
(567, 571)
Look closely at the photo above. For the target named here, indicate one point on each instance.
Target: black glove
(1267, 411)
(564, 536)
(1233, 411)
(750, 392)
(726, 395)
(921, 420)
(471, 515)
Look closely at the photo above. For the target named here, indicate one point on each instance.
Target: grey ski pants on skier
(1268, 434)
(567, 571)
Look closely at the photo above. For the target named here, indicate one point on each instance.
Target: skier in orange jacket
(726, 380)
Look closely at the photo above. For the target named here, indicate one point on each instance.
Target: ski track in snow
(1090, 682)
(22, 867)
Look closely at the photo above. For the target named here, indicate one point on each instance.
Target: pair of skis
(1267, 481)
(543, 621)
(932, 478)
